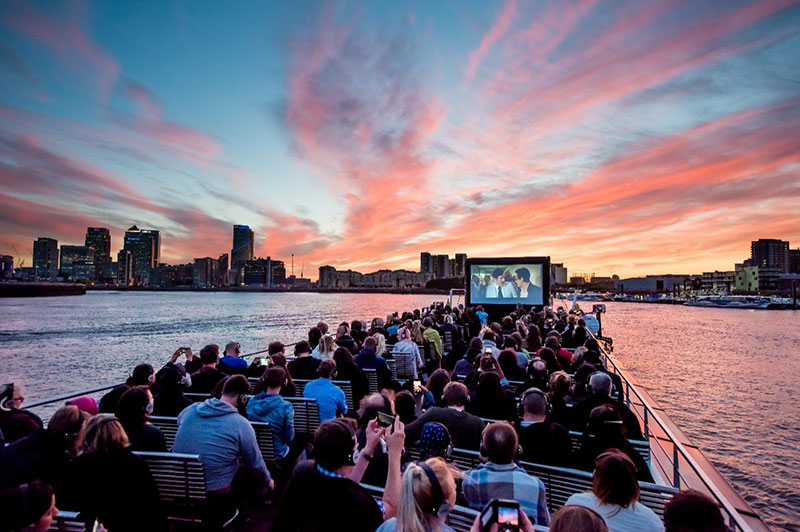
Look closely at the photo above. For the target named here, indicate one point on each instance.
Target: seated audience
(592, 356)
(435, 388)
(542, 442)
(615, 496)
(406, 353)
(228, 449)
(320, 495)
(205, 378)
(549, 358)
(85, 404)
(314, 336)
(343, 339)
(143, 375)
(501, 478)
(510, 366)
(465, 428)
(605, 430)
(577, 519)
(368, 359)
(489, 342)
(112, 484)
(170, 400)
(466, 365)
(16, 423)
(45, 454)
(330, 398)
(692, 511)
(325, 348)
(30, 506)
(304, 366)
(600, 384)
(133, 411)
(559, 386)
(490, 400)
(347, 370)
(269, 407)
(434, 441)
(536, 375)
(232, 363)
(406, 406)
(288, 389)
(435, 339)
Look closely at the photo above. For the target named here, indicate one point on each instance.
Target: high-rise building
(77, 262)
(6, 266)
(460, 265)
(99, 239)
(219, 270)
(124, 267)
(327, 277)
(441, 267)
(770, 253)
(558, 273)
(241, 252)
(425, 262)
(45, 258)
(145, 248)
(794, 260)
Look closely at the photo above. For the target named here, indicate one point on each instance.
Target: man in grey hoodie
(226, 443)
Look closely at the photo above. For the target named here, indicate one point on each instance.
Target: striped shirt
(506, 481)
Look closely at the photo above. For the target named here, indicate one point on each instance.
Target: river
(729, 378)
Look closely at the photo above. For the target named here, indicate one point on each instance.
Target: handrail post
(628, 394)
(646, 435)
(676, 475)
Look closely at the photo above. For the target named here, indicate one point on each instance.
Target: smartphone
(385, 420)
(488, 351)
(504, 512)
(417, 386)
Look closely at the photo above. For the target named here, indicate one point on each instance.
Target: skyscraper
(242, 250)
(145, 248)
(425, 262)
(441, 267)
(45, 258)
(770, 253)
(99, 239)
(77, 262)
(461, 262)
(124, 267)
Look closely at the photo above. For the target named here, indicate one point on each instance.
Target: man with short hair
(232, 363)
(465, 428)
(321, 495)
(528, 292)
(330, 398)
(368, 359)
(501, 478)
(226, 443)
(600, 385)
(304, 366)
(542, 442)
(343, 339)
(269, 407)
(493, 290)
(204, 379)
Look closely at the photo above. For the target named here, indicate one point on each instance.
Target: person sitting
(536, 375)
(514, 343)
(563, 356)
(170, 400)
(314, 336)
(466, 365)
(406, 353)
(325, 348)
(510, 366)
(605, 430)
(692, 511)
(45, 454)
(434, 389)
(232, 363)
(133, 411)
(435, 340)
(592, 356)
(226, 443)
(185, 370)
(434, 441)
(16, 423)
(406, 406)
(208, 376)
(577, 519)
(600, 385)
(368, 359)
(304, 366)
(347, 370)
(324, 485)
(501, 478)
(30, 506)
(343, 339)
(489, 342)
(112, 484)
(559, 385)
(491, 400)
(330, 398)
(465, 428)
(269, 407)
(615, 495)
(289, 389)
(427, 492)
(542, 442)
(143, 375)
(85, 404)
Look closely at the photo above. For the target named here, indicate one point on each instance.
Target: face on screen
(506, 284)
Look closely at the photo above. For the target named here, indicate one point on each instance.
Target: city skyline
(629, 139)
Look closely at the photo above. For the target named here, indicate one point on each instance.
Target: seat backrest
(347, 388)
(168, 427)
(264, 437)
(306, 414)
(300, 385)
(392, 367)
(640, 446)
(197, 397)
(372, 379)
(180, 478)
(447, 341)
(517, 386)
(404, 364)
(465, 459)
(68, 522)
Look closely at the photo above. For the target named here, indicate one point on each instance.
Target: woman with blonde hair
(380, 349)
(416, 332)
(325, 348)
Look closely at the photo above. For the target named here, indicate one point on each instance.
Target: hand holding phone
(385, 420)
(502, 512)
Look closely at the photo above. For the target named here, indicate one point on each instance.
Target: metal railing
(670, 456)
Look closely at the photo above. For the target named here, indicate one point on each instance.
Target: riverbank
(14, 289)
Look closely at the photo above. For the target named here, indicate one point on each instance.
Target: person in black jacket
(542, 442)
(320, 496)
(600, 384)
(133, 410)
(15, 423)
(343, 339)
(205, 378)
(304, 366)
(170, 400)
(143, 375)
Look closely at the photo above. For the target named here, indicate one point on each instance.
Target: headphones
(548, 408)
(6, 396)
(439, 506)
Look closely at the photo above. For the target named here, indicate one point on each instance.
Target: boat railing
(676, 460)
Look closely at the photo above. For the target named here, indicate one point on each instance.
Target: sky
(631, 138)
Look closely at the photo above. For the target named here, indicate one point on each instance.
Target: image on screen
(508, 284)
(509, 516)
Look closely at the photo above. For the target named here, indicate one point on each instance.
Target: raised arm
(395, 443)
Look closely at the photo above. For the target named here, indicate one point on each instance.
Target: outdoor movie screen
(506, 284)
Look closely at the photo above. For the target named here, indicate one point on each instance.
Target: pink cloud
(501, 25)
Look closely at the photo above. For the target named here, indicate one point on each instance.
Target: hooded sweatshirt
(279, 413)
(215, 430)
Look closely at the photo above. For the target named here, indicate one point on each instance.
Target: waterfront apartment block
(329, 277)
(45, 259)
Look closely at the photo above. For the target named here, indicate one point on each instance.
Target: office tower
(425, 262)
(77, 262)
(794, 260)
(45, 259)
(441, 266)
(99, 239)
(241, 252)
(6, 266)
(219, 270)
(124, 267)
(460, 267)
(770, 253)
(145, 248)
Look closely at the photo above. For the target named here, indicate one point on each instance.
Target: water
(728, 378)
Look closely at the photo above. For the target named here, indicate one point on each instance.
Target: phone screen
(385, 420)
(508, 516)
(488, 351)
(417, 385)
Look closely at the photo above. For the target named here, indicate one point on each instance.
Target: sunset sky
(618, 137)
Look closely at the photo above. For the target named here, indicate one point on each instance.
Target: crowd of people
(510, 390)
